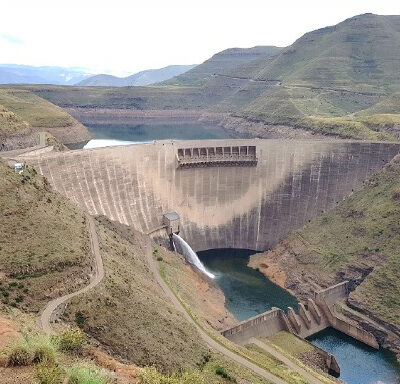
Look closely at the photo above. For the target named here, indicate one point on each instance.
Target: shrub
(150, 375)
(44, 350)
(159, 258)
(49, 374)
(221, 372)
(85, 375)
(19, 299)
(79, 319)
(72, 340)
(20, 353)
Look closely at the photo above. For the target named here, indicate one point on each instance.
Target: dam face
(251, 207)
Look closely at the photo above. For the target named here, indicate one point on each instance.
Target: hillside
(223, 63)
(358, 241)
(24, 113)
(328, 77)
(38, 261)
(147, 77)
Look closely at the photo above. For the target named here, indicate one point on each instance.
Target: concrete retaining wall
(343, 326)
(332, 294)
(264, 325)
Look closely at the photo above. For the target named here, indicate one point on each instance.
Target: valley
(277, 168)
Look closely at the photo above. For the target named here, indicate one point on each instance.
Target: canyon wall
(220, 207)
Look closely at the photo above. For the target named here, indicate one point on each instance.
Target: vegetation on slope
(223, 63)
(358, 241)
(22, 112)
(10, 123)
(128, 313)
(38, 112)
(44, 250)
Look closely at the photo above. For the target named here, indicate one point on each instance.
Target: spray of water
(190, 255)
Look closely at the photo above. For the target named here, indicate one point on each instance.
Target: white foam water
(190, 255)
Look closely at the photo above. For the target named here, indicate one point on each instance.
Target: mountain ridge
(146, 77)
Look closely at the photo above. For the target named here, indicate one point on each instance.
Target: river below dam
(248, 293)
(125, 133)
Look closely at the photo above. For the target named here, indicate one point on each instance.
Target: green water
(147, 132)
(247, 291)
(359, 364)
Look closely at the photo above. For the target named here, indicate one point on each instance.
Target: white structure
(19, 167)
(171, 220)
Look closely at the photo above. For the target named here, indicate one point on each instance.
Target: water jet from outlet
(190, 255)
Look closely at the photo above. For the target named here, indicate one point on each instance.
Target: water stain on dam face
(220, 207)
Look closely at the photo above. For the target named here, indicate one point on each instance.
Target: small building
(172, 221)
(19, 167)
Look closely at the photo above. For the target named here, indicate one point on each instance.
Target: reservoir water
(248, 293)
(124, 133)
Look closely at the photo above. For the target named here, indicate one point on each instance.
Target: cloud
(11, 38)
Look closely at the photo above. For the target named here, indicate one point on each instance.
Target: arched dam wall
(250, 207)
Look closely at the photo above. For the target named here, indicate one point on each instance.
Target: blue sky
(122, 37)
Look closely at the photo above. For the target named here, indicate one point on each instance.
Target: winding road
(97, 276)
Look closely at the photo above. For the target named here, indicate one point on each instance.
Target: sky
(122, 37)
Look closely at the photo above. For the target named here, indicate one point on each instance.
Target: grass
(71, 340)
(37, 112)
(39, 261)
(289, 343)
(11, 124)
(85, 375)
(46, 373)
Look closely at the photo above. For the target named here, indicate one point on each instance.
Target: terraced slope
(223, 63)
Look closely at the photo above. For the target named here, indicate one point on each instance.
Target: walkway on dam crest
(47, 314)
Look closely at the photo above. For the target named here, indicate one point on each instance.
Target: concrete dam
(250, 195)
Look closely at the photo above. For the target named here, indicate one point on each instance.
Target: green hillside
(22, 114)
(335, 72)
(223, 63)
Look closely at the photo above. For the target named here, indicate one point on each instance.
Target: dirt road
(98, 274)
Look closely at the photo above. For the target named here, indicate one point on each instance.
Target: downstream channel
(248, 293)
